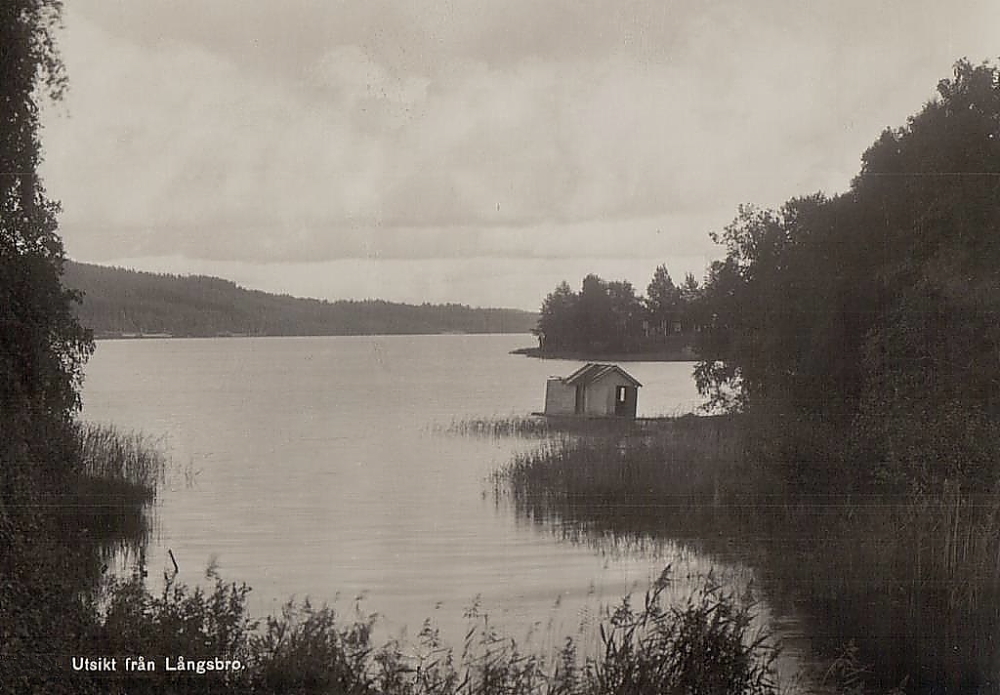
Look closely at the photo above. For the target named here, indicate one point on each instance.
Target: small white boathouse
(596, 390)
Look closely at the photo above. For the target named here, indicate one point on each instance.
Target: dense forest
(858, 338)
(120, 302)
(877, 308)
(609, 318)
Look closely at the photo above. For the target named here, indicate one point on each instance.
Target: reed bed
(914, 581)
(912, 578)
(130, 460)
(626, 483)
(109, 496)
(539, 426)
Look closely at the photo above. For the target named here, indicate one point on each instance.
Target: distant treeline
(126, 302)
(609, 318)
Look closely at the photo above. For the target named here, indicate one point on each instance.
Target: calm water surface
(310, 467)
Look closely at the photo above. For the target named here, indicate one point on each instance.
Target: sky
(469, 151)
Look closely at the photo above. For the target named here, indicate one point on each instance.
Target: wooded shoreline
(685, 355)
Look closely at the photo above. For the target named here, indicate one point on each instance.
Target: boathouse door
(579, 400)
(624, 405)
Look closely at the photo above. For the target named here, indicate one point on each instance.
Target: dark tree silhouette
(42, 347)
(879, 307)
(608, 317)
(557, 322)
(663, 300)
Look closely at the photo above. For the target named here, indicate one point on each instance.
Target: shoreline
(682, 355)
(172, 336)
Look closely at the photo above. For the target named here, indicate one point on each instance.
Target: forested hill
(121, 302)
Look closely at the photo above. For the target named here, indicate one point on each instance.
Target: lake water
(312, 467)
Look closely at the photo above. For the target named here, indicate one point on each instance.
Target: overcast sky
(469, 151)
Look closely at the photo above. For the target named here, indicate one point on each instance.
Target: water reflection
(317, 467)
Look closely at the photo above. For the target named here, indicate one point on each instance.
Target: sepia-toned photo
(479, 348)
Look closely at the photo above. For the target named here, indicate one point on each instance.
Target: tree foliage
(663, 298)
(878, 306)
(42, 352)
(42, 347)
(609, 317)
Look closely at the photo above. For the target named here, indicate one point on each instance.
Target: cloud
(258, 131)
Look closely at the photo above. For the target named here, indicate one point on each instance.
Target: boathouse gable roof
(592, 371)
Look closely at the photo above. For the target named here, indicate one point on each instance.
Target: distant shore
(685, 354)
(161, 336)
